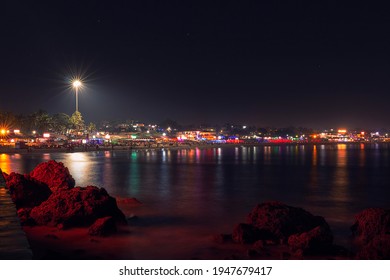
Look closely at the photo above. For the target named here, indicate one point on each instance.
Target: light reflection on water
(5, 163)
(216, 185)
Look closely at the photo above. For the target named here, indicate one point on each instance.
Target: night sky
(264, 63)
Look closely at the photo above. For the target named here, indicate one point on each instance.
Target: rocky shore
(64, 221)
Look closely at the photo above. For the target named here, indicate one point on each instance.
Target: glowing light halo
(77, 83)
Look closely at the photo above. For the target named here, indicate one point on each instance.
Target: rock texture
(26, 191)
(370, 223)
(281, 220)
(76, 207)
(371, 234)
(103, 227)
(54, 174)
(24, 217)
(315, 241)
(47, 196)
(275, 223)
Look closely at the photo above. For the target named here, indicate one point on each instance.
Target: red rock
(316, 241)
(54, 174)
(103, 227)
(378, 248)
(281, 220)
(370, 223)
(77, 207)
(24, 217)
(26, 191)
(258, 245)
(371, 233)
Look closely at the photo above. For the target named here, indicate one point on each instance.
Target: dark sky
(255, 62)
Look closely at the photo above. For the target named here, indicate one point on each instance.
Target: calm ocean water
(217, 187)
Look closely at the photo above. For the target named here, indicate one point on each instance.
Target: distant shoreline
(6, 150)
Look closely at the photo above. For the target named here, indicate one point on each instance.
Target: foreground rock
(371, 234)
(280, 221)
(103, 227)
(76, 207)
(315, 241)
(370, 223)
(54, 174)
(47, 197)
(24, 217)
(26, 192)
(274, 223)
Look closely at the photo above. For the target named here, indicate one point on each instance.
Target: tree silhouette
(77, 121)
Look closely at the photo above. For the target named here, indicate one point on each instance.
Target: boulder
(280, 220)
(370, 223)
(24, 217)
(258, 245)
(103, 227)
(54, 174)
(25, 191)
(378, 248)
(371, 234)
(316, 241)
(77, 207)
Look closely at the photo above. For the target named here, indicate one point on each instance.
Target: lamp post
(76, 85)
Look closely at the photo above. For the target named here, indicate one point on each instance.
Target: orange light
(362, 133)
(342, 131)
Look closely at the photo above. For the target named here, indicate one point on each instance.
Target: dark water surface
(217, 187)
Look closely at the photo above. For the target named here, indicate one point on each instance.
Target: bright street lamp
(76, 85)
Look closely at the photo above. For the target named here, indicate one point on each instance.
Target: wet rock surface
(47, 196)
(318, 240)
(54, 174)
(76, 207)
(370, 223)
(103, 227)
(371, 234)
(26, 191)
(280, 220)
(293, 230)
